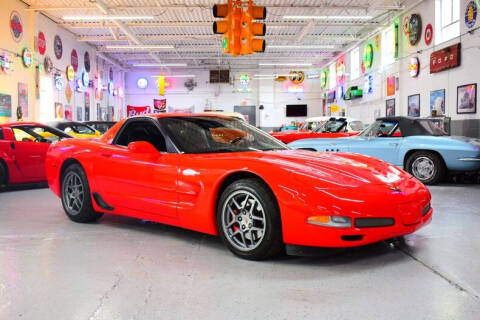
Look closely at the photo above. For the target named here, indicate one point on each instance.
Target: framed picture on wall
(390, 107)
(467, 98)
(437, 101)
(414, 105)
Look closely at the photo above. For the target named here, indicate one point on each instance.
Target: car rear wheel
(76, 199)
(248, 220)
(3, 174)
(426, 166)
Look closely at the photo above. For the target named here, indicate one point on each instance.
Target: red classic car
(333, 128)
(221, 176)
(23, 146)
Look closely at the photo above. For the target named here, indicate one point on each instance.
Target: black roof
(414, 126)
(64, 124)
(99, 122)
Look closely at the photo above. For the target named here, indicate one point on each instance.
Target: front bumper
(318, 236)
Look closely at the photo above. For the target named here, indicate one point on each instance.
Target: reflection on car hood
(347, 169)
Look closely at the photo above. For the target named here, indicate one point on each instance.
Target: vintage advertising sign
(16, 27)
(41, 43)
(428, 34)
(86, 61)
(445, 58)
(5, 105)
(27, 57)
(159, 105)
(470, 14)
(137, 110)
(58, 46)
(414, 67)
(74, 60)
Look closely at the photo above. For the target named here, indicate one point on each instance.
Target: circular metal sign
(414, 29)
(85, 79)
(86, 61)
(70, 73)
(27, 57)
(323, 78)
(414, 67)
(16, 27)
(368, 56)
(74, 60)
(58, 46)
(428, 34)
(142, 83)
(48, 65)
(471, 14)
(41, 43)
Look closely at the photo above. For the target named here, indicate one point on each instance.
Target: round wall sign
(16, 27)
(142, 83)
(57, 46)
(471, 14)
(48, 65)
(41, 43)
(86, 61)
(324, 78)
(428, 34)
(74, 60)
(110, 74)
(414, 29)
(70, 73)
(368, 56)
(85, 79)
(340, 68)
(297, 77)
(414, 67)
(27, 57)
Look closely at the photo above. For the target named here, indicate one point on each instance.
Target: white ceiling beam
(111, 61)
(305, 30)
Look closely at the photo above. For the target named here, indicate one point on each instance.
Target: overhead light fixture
(102, 18)
(306, 47)
(285, 64)
(140, 46)
(177, 76)
(160, 65)
(328, 17)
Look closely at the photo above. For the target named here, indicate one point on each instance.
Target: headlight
(331, 221)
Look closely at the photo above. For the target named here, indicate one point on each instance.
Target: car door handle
(12, 145)
(106, 154)
(394, 144)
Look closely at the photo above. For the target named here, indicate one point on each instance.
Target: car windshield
(356, 125)
(102, 127)
(379, 129)
(216, 135)
(333, 125)
(311, 125)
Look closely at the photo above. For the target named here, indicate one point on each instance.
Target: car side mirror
(143, 147)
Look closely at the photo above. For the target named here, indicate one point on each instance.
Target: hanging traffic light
(238, 26)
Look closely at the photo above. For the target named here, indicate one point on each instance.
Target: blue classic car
(416, 145)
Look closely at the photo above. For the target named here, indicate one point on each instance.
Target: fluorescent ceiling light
(101, 18)
(160, 65)
(328, 17)
(286, 64)
(270, 75)
(177, 76)
(139, 46)
(320, 46)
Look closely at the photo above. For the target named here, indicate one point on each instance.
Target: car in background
(75, 129)
(23, 147)
(417, 145)
(313, 123)
(333, 128)
(221, 176)
(100, 126)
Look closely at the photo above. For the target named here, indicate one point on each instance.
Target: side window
(21, 135)
(397, 132)
(1, 134)
(385, 129)
(142, 131)
(34, 134)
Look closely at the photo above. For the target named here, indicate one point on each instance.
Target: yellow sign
(161, 85)
(334, 108)
(70, 73)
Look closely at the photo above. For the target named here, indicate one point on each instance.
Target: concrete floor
(121, 268)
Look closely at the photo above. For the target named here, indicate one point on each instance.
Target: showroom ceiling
(186, 26)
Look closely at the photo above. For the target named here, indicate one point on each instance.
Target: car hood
(344, 169)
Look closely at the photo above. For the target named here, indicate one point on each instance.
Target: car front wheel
(76, 199)
(248, 220)
(426, 166)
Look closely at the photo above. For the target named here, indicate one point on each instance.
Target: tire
(254, 231)
(3, 174)
(75, 194)
(426, 166)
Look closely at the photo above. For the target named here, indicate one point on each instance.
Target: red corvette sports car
(333, 128)
(221, 176)
(23, 147)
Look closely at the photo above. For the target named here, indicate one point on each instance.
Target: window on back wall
(447, 20)
(355, 64)
(332, 76)
(388, 46)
